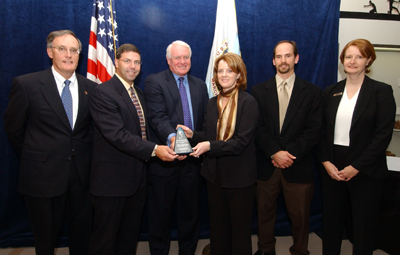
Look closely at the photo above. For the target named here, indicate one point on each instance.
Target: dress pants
(231, 211)
(183, 188)
(297, 197)
(47, 215)
(354, 203)
(117, 222)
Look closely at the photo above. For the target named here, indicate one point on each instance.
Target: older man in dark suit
(48, 123)
(121, 149)
(174, 97)
(289, 129)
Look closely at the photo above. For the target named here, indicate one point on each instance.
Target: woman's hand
(332, 171)
(348, 173)
(188, 131)
(200, 149)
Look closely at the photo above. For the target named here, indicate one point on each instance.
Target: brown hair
(237, 65)
(126, 48)
(293, 43)
(366, 49)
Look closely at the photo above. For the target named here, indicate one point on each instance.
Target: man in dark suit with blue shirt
(288, 130)
(174, 97)
(48, 123)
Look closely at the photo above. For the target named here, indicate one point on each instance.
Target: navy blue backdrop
(151, 25)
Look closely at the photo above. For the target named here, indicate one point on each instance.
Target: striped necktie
(139, 112)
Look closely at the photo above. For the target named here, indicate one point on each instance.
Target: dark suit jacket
(38, 128)
(300, 131)
(371, 126)
(236, 155)
(119, 152)
(165, 111)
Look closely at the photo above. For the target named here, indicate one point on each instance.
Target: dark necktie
(66, 99)
(139, 112)
(185, 104)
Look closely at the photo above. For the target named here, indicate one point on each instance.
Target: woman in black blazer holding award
(229, 166)
(359, 115)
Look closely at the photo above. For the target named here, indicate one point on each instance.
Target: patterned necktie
(66, 99)
(185, 104)
(139, 112)
(283, 97)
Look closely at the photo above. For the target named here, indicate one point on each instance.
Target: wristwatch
(153, 154)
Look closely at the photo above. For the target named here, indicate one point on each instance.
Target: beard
(284, 68)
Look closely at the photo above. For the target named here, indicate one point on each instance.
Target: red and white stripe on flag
(103, 41)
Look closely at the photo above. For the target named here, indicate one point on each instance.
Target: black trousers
(231, 211)
(183, 188)
(352, 205)
(117, 221)
(47, 217)
(230, 219)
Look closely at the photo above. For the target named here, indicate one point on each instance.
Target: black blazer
(236, 155)
(37, 127)
(119, 152)
(371, 126)
(300, 130)
(165, 112)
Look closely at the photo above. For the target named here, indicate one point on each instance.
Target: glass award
(182, 145)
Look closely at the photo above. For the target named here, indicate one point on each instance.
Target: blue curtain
(151, 25)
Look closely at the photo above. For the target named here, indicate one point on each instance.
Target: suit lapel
(213, 113)
(271, 98)
(296, 98)
(363, 99)
(333, 101)
(175, 95)
(83, 100)
(140, 95)
(121, 90)
(52, 96)
(194, 99)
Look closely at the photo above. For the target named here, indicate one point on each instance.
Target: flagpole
(112, 25)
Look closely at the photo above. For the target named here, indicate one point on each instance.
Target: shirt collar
(60, 79)
(290, 80)
(177, 77)
(126, 85)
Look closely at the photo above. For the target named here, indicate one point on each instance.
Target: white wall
(386, 67)
(376, 31)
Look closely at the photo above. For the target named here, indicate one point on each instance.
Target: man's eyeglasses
(64, 50)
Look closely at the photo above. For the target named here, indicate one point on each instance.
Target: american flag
(103, 41)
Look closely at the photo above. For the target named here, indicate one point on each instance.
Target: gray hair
(180, 43)
(54, 34)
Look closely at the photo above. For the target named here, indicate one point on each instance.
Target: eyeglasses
(64, 50)
(129, 61)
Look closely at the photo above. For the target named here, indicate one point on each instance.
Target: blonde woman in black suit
(229, 165)
(359, 116)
